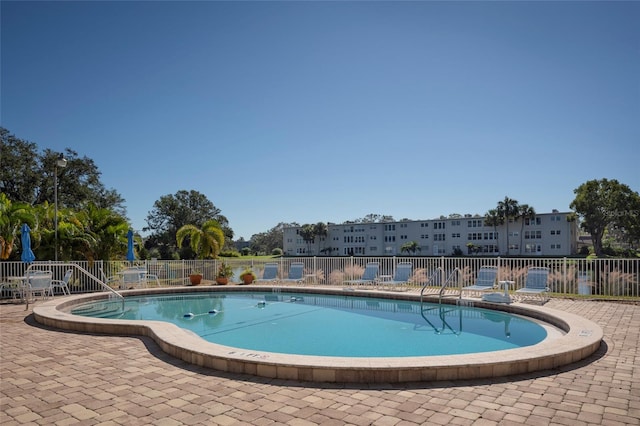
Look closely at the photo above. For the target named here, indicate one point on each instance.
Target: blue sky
(329, 111)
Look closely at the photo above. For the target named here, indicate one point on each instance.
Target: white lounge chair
(39, 282)
(535, 284)
(270, 273)
(63, 284)
(486, 280)
(296, 271)
(369, 276)
(401, 276)
(135, 277)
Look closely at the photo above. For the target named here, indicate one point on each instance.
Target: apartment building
(546, 234)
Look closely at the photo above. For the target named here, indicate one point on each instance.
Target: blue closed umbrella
(130, 255)
(27, 255)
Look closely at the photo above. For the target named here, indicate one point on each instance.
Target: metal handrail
(444, 286)
(87, 273)
(429, 281)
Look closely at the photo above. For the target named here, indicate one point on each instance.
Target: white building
(547, 234)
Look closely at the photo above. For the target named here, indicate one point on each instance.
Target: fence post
(564, 275)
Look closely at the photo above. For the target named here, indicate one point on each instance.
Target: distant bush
(276, 252)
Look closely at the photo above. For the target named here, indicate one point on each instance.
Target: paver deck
(50, 377)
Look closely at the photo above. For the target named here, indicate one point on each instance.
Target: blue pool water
(329, 325)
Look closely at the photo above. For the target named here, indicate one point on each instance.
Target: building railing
(568, 276)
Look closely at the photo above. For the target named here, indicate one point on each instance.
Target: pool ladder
(442, 311)
(456, 273)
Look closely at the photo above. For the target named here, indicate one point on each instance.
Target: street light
(62, 163)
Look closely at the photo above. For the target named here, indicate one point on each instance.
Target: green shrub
(229, 253)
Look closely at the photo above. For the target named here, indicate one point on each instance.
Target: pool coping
(581, 339)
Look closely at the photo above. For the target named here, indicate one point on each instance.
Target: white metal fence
(601, 277)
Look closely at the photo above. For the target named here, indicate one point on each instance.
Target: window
(532, 248)
(455, 235)
(490, 248)
(533, 221)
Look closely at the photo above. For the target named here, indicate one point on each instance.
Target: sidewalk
(49, 377)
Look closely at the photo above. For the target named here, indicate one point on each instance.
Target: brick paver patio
(50, 377)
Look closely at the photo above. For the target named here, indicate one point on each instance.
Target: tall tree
(526, 212)
(493, 218)
(321, 229)
(308, 233)
(372, 218)
(172, 212)
(20, 169)
(266, 242)
(508, 209)
(90, 216)
(603, 203)
(78, 183)
(26, 175)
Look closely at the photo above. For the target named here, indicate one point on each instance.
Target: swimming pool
(329, 325)
(570, 338)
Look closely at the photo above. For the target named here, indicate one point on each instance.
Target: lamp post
(62, 163)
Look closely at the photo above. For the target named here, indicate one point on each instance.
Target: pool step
(98, 310)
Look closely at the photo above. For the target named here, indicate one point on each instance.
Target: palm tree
(308, 233)
(526, 212)
(321, 230)
(105, 234)
(206, 242)
(508, 209)
(74, 241)
(494, 219)
(410, 247)
(12, 216)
